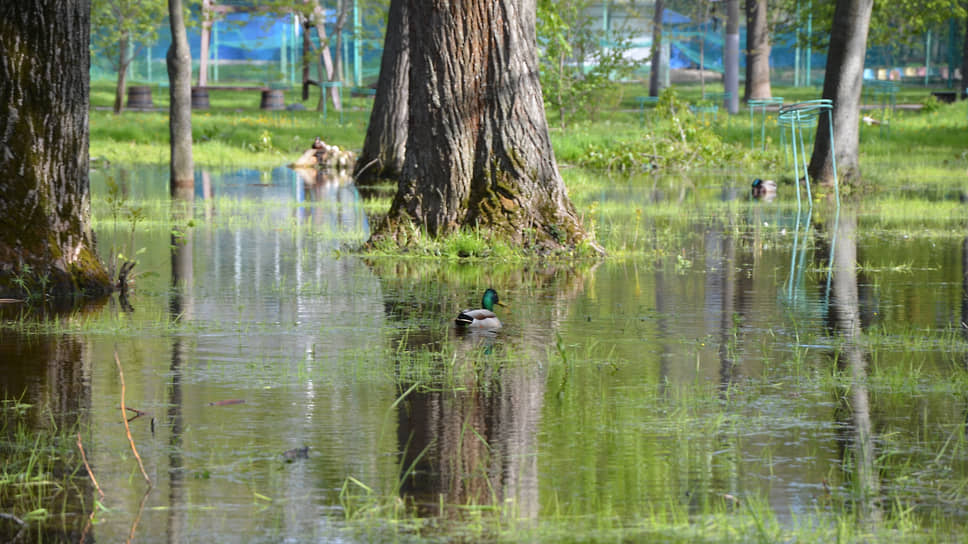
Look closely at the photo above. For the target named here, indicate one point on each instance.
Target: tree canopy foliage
(578, 58)
(119, 28)
(893, 22)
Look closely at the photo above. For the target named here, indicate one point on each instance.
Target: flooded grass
(704, 382)
(44, 491)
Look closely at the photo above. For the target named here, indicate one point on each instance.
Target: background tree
(119, 28)
(328, 70)
(478, 151)
(46, 241)
(579, 60)
(386, 135)
(314, 15)
(757, 51)
(179, 59)
(655, 53)
(897, 24)
(843, 80)
(964, 51)
(731, 56)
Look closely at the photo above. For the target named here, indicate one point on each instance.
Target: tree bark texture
(478, 150)
(386, 135)
(757, 51)
(842, 83)
(731, 56)
(45, 204)
(179, 59)
(655, 53)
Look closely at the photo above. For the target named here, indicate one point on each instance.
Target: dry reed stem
(124, 418)
(87, 466)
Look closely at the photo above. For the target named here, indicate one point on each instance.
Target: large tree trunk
(386, 135)
(123, 61)
(478, 150)
(182, 180)
(731, 56)
(757, 51)
(45, 204)
(656, 52)
(842, 83)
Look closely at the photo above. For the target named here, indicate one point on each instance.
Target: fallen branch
(369, 164)
(227, 402)
(124, 418)
(13, 518)
(18, 521)
(87, 466)
(137, 413)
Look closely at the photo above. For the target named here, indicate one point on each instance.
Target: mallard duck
(483, 318)
(764, 189)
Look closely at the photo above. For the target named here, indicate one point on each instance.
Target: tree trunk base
(85, 276)
(399, 231)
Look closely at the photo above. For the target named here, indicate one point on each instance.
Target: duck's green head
(490, 299)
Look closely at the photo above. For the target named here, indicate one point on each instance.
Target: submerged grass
(675, 446)
(43, 485)
(699, 420)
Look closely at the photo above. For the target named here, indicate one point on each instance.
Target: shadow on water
(722, 360)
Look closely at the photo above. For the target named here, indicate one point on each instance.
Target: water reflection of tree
(727, 305)
(856, 439)
(964, 291)
(181, 308)
(51, 374)
(472, 438)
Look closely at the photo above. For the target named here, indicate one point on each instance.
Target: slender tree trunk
(338, 46)
(478, 150)
(386, 136)
(123, 61)
(325, 59)
(842, 83)
(702, 47)
(964, 55)
(182, 180)
(731, 56)
(757, 51)
(656, 53)
(45, 233)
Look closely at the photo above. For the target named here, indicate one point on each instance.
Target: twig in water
(18, 521)
(13, 518)
(88, 467)
(137, 519)
(369, 164)
(137, 413)
(124, 418)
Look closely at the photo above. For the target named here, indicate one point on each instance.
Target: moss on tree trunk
(478, 151)
(45, 235)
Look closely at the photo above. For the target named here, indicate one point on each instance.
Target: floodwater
(724, 363)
